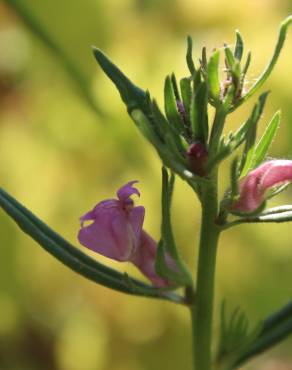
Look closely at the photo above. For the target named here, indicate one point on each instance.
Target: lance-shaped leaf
(213, 76)
(265, 141)
(31, 21)
(238, 51)
(72, 257)
(275, 329)
(189, 56)
(199, 113)
(132, 96)
(179, 273)
(170, 105)
(269, 68)
(248, 153)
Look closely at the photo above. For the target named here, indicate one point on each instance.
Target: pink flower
(116, 232)
(253, 187)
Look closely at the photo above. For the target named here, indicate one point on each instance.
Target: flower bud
(254, 186)
(197, 157)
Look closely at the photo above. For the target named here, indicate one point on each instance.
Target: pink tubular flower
(116, 232)
(253, 187)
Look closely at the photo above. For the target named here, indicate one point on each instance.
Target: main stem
(202, 311)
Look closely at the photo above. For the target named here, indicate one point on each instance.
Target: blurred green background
(66, 143)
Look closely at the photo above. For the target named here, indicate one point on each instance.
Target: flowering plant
(192, 146)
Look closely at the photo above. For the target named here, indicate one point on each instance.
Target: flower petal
(279, 172)
(136, 219)
(127, 190)
(144, 259)
(111, 233)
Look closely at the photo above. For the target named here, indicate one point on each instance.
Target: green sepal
(170, 106)
(74, 258)
(265, 141)
(213, 77)
(253, 214)
(199, 113)
(132, 96)
(238, 51)
(189, 56)
(248, 152)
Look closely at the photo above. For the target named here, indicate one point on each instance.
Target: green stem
(202, 311)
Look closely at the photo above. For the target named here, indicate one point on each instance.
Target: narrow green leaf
(175, 86)
(131, 95)
(275, 329)
(278, 317)
(229, 56)
(189, 56)
(199, 113)
(238, 51)
(83, 86)
(234, 178)
(204, 60)
(265, 141)
(273, 217)
(170, 105)
(213, 76)
(246, 66)
(186, 93)
(216, 132)
(160, 120)
(144, 125)
(72, 256)
(248, 153)
(168, 243)
(269, 68)
(279, 209)
(228, 99)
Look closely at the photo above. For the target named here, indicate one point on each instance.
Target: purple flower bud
(197, 156)
(117, 232)
(181, 109)
(253, 187)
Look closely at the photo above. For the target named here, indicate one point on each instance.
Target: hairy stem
(202, 312)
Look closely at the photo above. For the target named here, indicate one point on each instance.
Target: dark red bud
(197, 156)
